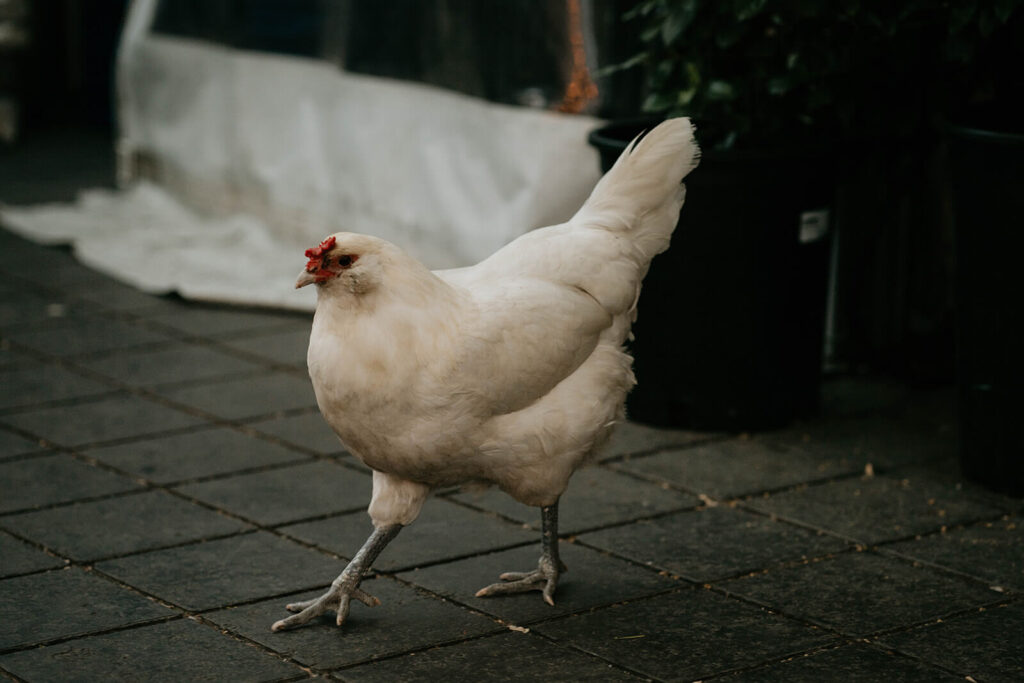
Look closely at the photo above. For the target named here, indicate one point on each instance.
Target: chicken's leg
(345, 587)
(545, 577)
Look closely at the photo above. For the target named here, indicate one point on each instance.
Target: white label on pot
(813, 225)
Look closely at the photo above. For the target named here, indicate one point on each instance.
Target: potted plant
(796, 103)
(731, 323)
(984, 87)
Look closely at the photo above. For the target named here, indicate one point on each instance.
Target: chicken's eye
(344, 260)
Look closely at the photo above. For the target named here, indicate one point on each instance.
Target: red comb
(316, 254)
(325, 246)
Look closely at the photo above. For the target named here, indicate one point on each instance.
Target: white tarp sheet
(275, 152)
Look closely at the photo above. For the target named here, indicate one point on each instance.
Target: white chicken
(508, 373)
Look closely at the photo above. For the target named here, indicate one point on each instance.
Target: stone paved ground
(166, 485)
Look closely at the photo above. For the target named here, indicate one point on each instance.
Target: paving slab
(54, 478)
(985, 645)
(307, 431)
(17, 557)
(596, 497)
(527, 658)
(180, 362)
(593, 580)
(880, 508)
(34, 383)
(50, 267)
(219, 321)
(67, 602)
(993, 552)
(287, 494)
(112, 295)
(248, 397)
(72, 336)
(406, 619)
(443, 531)
(180, 650)
(789, 598)
(125, 524)
(631, 438)
(10, 356)
(885, 441)
(287, 347)
(688, 635)
(12, 444)
(856, 663)
(203, 453)
(859, 593)
(737, 467)
(713, 543)
(101, 421)
(224, 572)
(22, 307)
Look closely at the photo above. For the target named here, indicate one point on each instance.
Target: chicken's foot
(545, 577)
(339, 596)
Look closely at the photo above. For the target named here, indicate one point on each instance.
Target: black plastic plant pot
(988, 207)
(731, 317)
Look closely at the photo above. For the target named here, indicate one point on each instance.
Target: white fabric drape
(269, 153)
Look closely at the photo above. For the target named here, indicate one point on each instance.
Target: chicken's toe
(544, 578)
(336, 599)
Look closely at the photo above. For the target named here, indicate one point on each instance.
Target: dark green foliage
(780, 69)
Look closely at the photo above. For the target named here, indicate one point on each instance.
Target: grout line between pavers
(835, 630)
(8, 675)
(593, 655)
(60, 402)
(948, 616)
(655, 479)
(450, 497)
(27, 455)
(611, 460)
(669, 446)
(137, 318)
(179, 612)
(879, 547)
(484, 636)
(835, 645)
(664, 571)
(199, 618)
(238, 424)
(218, 341)
(90, 634)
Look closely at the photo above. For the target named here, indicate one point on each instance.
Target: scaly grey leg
(545, 577)
(339, 596)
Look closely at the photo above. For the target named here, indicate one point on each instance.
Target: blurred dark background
(894, 305)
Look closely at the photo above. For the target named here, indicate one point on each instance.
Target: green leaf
(1004, 9)
(693, 73)
(986, 23)
(719, 90)
(610, 69)
(749, 9)
(657, 102)
(684, 97)
(960, 16)
(679, 19)
(778, 86)
(649, 34)
(641, 9)
(727, 36)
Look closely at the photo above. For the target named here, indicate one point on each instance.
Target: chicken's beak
(305, 278)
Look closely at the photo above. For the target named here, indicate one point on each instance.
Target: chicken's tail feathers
(643, 192)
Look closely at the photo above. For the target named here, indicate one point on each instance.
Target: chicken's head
(326, 261)
(350, 264)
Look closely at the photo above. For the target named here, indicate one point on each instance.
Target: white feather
(511, 372)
